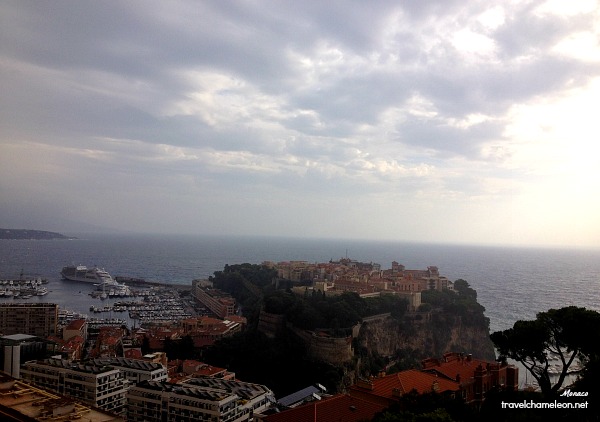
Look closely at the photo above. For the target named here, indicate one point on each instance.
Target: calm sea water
(512, 283)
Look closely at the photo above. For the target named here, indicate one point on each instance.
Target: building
(18, 348)
(455, 374)
(103, 387)
(365, 279)
(200, 369)
(36, 319)
(184, 370)
(219, 303)
(341, 407)
(109, 342)
(476, 377)
(134, 370)
(386, 390)
(71, 349)
(308, 394)
(156, 357)
(197, 399)
(206, 330)
(256, 397)
(23, 402)
(76, 327)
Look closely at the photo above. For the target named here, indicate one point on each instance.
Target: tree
(562, 335)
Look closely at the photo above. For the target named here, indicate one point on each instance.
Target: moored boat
(85, 274)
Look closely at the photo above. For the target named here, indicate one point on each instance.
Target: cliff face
(430, 335)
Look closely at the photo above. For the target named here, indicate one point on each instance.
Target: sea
(512, 283)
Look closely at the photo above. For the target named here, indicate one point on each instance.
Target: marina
(23, 288)
(152, 309)
(109, 301)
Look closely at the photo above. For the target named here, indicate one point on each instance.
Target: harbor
(23, 288)
(110, 302)
(154, 308)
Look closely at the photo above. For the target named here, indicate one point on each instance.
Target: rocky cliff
(428, 335)
(425, 335)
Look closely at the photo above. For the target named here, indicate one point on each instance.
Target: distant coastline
(26, 234)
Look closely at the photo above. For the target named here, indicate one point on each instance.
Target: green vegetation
(562, 335)
(234, 277)
(251, 354)
(462, 302)
(278, 363)
(247, 283)
(568, 334)
(253, 288)
(315, 310)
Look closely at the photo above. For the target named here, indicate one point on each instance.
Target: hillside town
(150, 371)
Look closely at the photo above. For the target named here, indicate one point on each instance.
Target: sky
(434, 121)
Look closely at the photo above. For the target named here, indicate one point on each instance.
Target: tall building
(35, 319)
(17, 348)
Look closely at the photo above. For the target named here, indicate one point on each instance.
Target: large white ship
(93, 275)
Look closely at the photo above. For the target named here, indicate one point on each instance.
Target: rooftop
(343, 408)
(299, 396)
(244, 390)
(128, 363)
(20, 401)
(186, 390)
(401, 383)
(19, 337)
(76, 324)
(457, 366)
(74, 366)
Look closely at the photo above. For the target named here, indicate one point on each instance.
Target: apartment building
(201, 399)
(135, 370)
(35, 319)
(256, 397)
(17, 348)
(20, 401)
(101, 386)
(219, 302)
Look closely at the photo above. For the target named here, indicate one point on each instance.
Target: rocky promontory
(27, 234)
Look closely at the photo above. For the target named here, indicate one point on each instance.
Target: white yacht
(87, 275)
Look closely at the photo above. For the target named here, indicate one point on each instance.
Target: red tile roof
(133, 353)
(76, 324)
(454, 366)
(238, 319)
(209, 371)
(392, 386)
(339, 408)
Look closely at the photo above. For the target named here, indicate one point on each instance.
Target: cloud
(217, 106)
